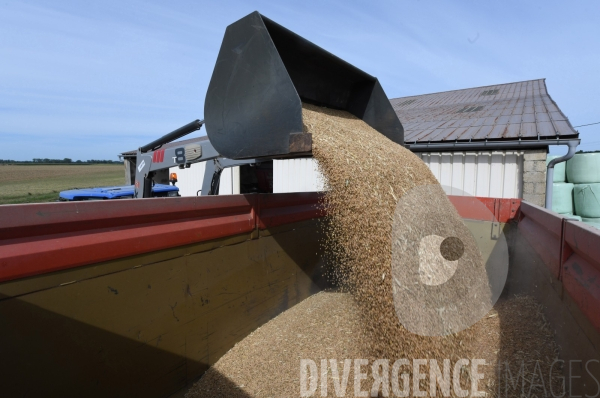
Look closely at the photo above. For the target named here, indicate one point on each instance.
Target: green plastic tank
(586, 198)
(584, 168)
(560, 173)
(562, 197)
(592, 220)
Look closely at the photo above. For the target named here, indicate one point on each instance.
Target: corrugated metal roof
(500, 112)
(170, 145)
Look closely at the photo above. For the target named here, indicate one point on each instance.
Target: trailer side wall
(146, 322)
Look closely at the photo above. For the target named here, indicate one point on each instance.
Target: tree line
(62, 161)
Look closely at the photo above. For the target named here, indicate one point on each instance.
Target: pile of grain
(267, 362)
(514, 334)
(328, 325)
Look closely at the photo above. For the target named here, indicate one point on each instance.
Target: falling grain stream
(366, 176)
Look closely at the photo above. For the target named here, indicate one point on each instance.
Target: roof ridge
(470, 88)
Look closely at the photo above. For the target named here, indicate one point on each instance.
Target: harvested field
(42, 183)
(328, 326)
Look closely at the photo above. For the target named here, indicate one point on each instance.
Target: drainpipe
(486, 145)
(550, 171)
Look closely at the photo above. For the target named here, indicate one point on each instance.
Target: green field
(42, 183)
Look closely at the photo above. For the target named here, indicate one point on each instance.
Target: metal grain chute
(264, 72)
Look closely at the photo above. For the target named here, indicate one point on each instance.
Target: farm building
(487, 141)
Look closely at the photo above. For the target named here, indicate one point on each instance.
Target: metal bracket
(495, 230)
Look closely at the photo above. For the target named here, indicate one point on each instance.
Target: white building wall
(497, 174)
(230, 181)
(289, 175)
(296, 175)
(190, 180)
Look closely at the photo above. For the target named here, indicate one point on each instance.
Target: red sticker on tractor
(158, 156)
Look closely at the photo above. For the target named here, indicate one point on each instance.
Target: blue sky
(93, 79)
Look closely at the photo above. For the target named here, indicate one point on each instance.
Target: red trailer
(139, 298)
